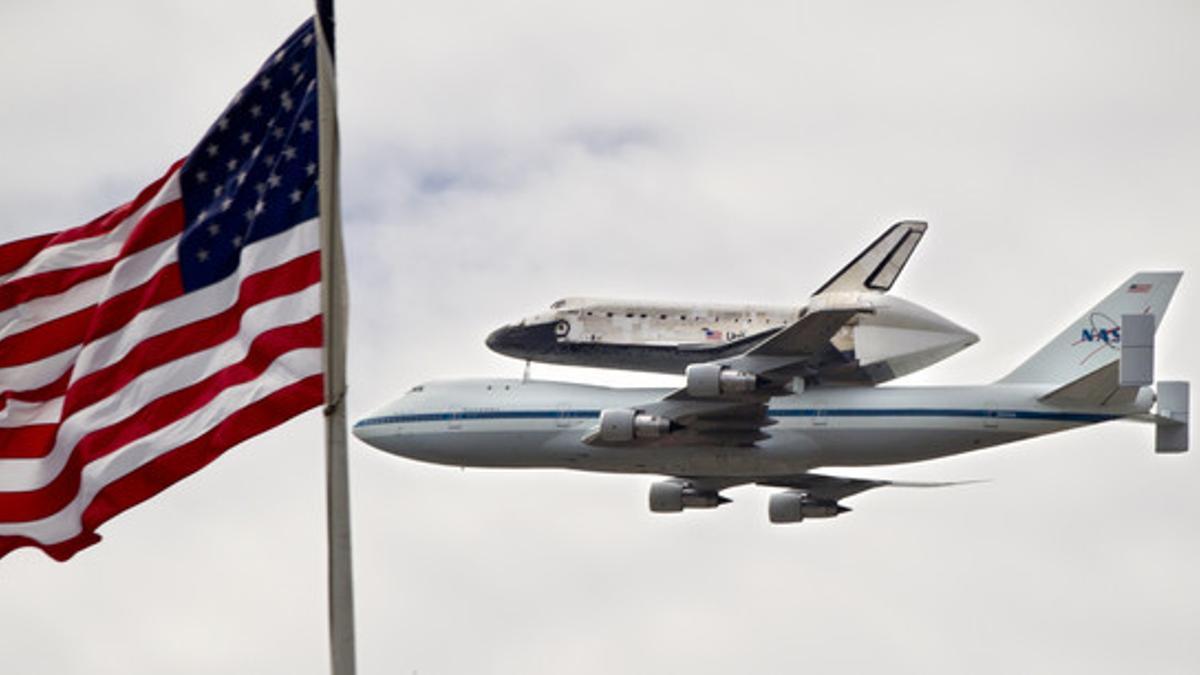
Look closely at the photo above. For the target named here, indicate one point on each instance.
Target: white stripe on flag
(23, 413)
(22, 475)
(37, 373)
(257, 257)
(61, 526)
(129, 273)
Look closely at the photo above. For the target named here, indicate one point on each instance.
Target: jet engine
(710, 380)
(672, 496)
(621, 425)
(794, 506)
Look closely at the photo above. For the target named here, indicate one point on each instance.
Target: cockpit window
(417, 389)
(558, 304)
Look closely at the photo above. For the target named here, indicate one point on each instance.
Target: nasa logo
(1102, 332)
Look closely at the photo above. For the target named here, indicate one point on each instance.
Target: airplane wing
(806, 495)
(816, 485)
(834, 488)
(725, 401)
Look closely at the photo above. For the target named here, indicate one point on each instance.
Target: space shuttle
(888, 336)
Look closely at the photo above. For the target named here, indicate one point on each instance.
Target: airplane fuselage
(532, 424)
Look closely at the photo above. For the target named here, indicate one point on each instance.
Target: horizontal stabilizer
(1097, 388)
(877, 267)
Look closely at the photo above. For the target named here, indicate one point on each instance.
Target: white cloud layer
(500, 155)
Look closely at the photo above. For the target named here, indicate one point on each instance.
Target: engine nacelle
(794, 507)
(709, 380)
(622, 425)
(673, 496)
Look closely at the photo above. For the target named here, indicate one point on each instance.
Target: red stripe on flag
(158, 226)
(293, 276)
(46, 339)
(157, 475)
(115, 312)
(27, 442)
(14, 255)
(44, 393)
(90, 323)
(54, 496)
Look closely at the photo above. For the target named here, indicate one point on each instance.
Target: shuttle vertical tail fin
(878, 266)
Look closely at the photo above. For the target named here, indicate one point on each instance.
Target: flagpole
(334, 307)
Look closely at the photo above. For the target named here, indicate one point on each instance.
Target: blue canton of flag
(254, 174)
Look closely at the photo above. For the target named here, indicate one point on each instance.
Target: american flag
(1140, 288)
(711, 334)
(137, 348)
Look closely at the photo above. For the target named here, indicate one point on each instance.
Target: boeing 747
(750, 418)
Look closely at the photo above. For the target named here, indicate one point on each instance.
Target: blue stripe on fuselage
(773, 412)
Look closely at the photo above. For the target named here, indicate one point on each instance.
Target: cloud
(499, 156)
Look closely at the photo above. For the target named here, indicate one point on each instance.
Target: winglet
(877, 267)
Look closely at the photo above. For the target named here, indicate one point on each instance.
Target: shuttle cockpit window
(558, 304)
(417, 389)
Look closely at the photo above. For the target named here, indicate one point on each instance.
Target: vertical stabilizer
(1093, 341)
(878, 266)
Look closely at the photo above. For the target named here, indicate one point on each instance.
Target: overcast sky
(500, 155)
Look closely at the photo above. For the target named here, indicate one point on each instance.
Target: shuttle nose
(523, 340)
(498, 339)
